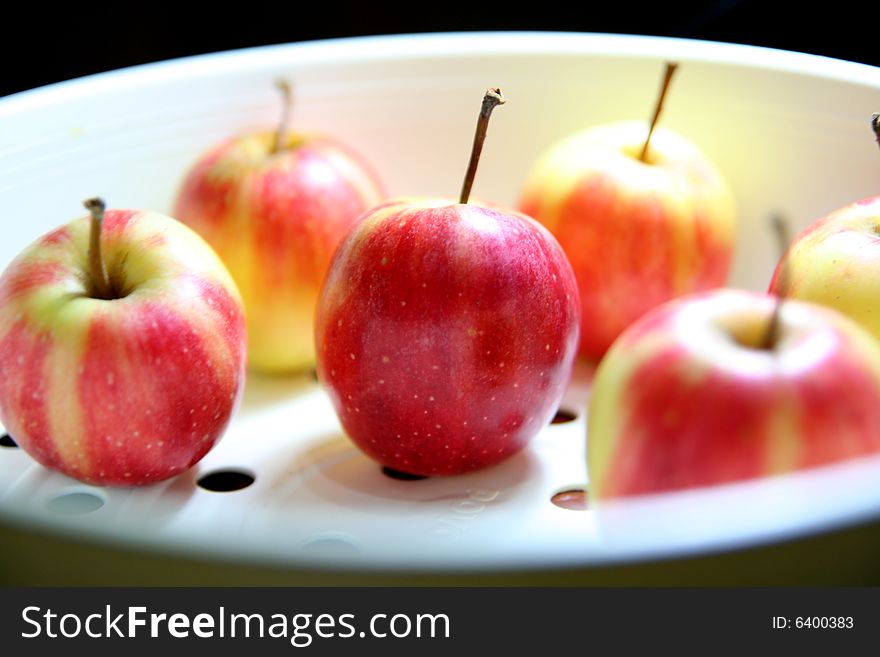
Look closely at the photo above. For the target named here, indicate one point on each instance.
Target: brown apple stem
(875, 126)
(286, 102)
(491, 100)
(100, 280)
(664, 87)
(780, 228)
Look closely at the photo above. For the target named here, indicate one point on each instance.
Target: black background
(42, 43)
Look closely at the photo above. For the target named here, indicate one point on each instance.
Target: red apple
(642, 215)
(446, 332)
(274, 206)
(695, 393)
(122, 349)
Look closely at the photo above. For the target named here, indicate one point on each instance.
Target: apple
(642, 215)
(701, 391)
(122, 348)
(446, 332)
(274, 206)
(835, 261)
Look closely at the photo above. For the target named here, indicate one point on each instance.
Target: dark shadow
(563, 416)
(227, 480)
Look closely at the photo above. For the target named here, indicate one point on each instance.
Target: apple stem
(875, 126)
(100, 280)
(780, 228)
(491, 100)
(286, 101)
(664, 87)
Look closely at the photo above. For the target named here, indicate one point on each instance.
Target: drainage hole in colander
(225, 481)
(401, 476)
(573, 499)
(7, 441)
(330, 546)
(562, 416)
(75, 504)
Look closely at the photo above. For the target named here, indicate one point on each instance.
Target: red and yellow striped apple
(274, 206)
(640, 225)
(637, 233)
(126, 368)
(836, 262)
(694, 394)
(446, 332)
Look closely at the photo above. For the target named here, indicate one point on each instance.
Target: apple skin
(446, 334)
(836, 262)
(124, 391)
(685, 398)
(275, 220)
(637, 234)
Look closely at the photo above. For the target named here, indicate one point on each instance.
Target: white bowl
(789, 131)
